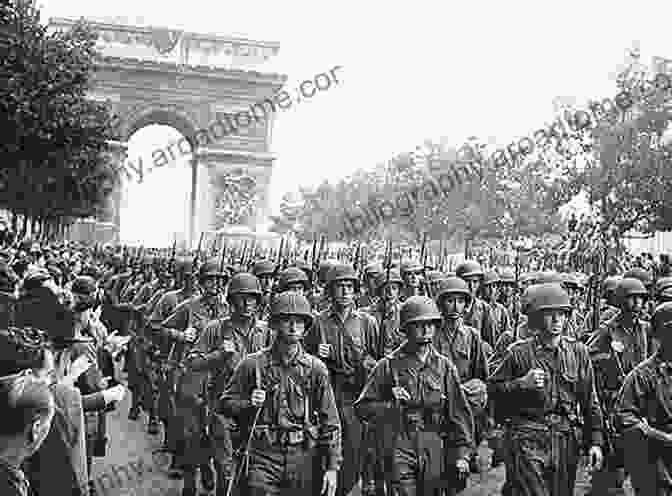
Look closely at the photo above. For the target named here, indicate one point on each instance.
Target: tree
(54, 137)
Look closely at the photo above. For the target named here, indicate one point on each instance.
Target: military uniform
(298, 417)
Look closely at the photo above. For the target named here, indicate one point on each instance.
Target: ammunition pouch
(279, 437)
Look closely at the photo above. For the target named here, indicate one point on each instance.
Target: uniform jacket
(465, 349)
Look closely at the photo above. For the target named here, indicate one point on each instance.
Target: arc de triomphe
(191, 82)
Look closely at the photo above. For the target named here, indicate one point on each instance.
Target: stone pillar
(117, 153)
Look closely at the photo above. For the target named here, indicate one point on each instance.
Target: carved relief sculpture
(236, 200)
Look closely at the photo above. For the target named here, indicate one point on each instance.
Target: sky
(410, 70)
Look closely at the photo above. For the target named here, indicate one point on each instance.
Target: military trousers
(282, 470)
(541, 460)
(419, 464)
(351, 428)
(648, 464)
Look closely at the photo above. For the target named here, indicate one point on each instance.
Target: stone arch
(166, 115)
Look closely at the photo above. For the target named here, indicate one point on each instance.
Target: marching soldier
(466, 350)
(490, 292)
(663, 290)
(283, 401)
(479, 314)
(415, 394)
(265, 271)
(367, 296)
(220, 348)
(411, 273)
(185, 282)
(616, 348)
(386, 310)
(608, 306)
(293, 279)
(538, 388)
(347, 340)
(643, 414)
(183, 328)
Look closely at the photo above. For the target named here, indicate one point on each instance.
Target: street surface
(131, 468)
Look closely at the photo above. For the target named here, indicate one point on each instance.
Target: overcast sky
(411, 70)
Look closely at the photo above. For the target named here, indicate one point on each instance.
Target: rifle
(387, 267)
(315, 261)
(516, 295)
(197, 256)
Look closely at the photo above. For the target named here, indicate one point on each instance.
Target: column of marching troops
(293, 378)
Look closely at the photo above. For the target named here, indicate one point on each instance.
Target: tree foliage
(54, 137)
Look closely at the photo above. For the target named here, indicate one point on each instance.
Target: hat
(83, 285)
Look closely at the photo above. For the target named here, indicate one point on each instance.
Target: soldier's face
(296, 287)
(291, 328)
(634, 304)
(371, 283)
(210, 285)
(506, 290)
(552, 321)
(473, 282)
(421, 332)
(453, 306)
(343, 292)
(244, 305)
(391, 292)
(412, 279)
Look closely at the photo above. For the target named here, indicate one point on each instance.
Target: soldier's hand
(329, 483)
(462, 466)
(324, 350)
(228, 347)
(400, 394)
(190, 335)
(595, 458)
(114, 394)
(258, 397)
(535, 379)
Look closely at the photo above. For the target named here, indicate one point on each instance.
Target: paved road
(131, 468)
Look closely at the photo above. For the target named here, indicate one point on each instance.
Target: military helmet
(610, 283)
(410, 267)
(263, 268)
(663, 284)
(638, 273)
(549, 276)
(373, 270)
(210, 268)
(570, 280)
(83, 285)
(244, 283)
(35, 278)
(291, 303)
(342, 272)
(545, 296)
(661, 320)
(434, 276)
(292, 275)
(305, 267)
(629, 286)
(491, 277)
(469, 268)
(507, 276)
(451, 286)
(418, 309)
(381, 279)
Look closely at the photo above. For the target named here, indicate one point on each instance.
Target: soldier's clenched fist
(400, 394)
(535, 379)
(258, 397)
(324, 350)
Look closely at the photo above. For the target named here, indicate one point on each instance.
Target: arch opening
(155, 196)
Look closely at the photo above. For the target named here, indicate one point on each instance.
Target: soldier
(265, 271)
(282, 399)
(347, 340)
(646, 278)
(185, 282)
(220, 348)
(434, 278)
(663, 290)
(415, 395)
(643, 413)
(367, 297)
(616, 348)
(183, 328)
(386, 311)
(608, 306)
(489, 291)
(479, 315)
(411, 272)
(466, 349)
(538, 388)
(293, 279)
(575, 320)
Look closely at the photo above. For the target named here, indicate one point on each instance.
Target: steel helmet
(662, 284)
(469, 268)
(546, 296)
(434, 276)
(661, 320)
(570, 281)
(549, 276)
(629, 286)
(35, 278)
(381, 280)
(305, 267)
(410, 267)
(341, 272)
(638, 273)
(291, 303)
(292, 275)
(507, 276)
(373, 269)
(264, 268)
(244, 283)
(210, 268)
(610, 283)
(418, 309)
(491, 277)
(451, 286)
